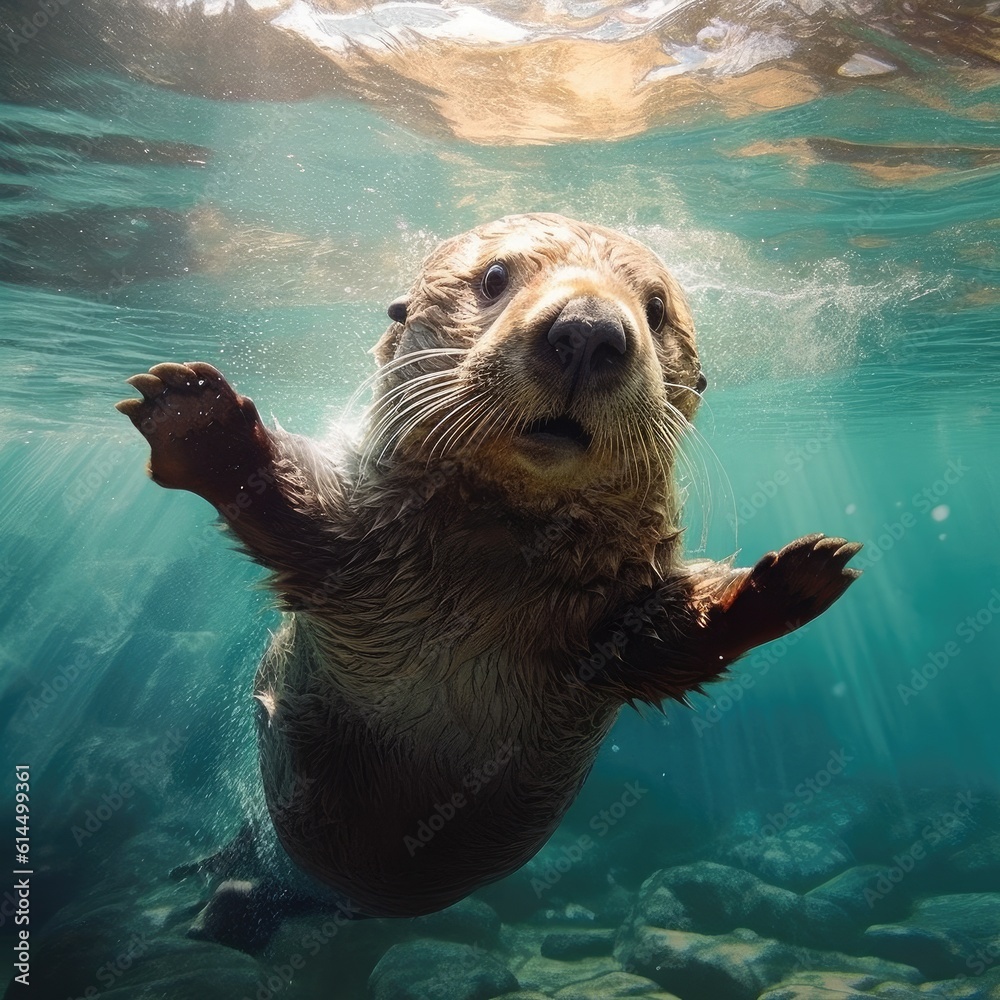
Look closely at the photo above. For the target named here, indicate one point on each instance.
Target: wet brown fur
(444, 593)
(446, 588)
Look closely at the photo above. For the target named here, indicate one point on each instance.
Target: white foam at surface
(861, 65)
(388, 25)
(729, 49)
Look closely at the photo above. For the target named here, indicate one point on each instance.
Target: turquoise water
(840, 253)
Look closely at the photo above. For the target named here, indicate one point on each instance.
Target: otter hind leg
(245, 914)
(237, 859)
(240, 914)
(247, 907)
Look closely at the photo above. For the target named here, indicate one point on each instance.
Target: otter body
(478, 584)
(441, 730)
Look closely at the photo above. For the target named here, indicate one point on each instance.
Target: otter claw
(786, 589)
(173, 374)
(202, 435)
(202, 369)
(848, 549)
(132, 408)
(148, 385)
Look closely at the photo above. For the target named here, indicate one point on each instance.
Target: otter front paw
(202, 435)
(786, 589)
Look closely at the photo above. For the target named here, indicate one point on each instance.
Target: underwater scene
(252, 184)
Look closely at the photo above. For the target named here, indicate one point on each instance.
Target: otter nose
(587, 336)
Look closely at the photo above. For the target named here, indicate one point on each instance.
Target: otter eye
(702, 382)
(655, 313)
(495, 280)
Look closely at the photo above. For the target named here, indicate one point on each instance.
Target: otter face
(557, 352)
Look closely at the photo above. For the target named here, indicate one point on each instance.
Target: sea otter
(478, 583)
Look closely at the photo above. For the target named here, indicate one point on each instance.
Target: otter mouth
(556, 432)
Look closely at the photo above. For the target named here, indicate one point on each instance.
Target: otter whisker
(626, 450)
(694, 463)
(391, 408)
(504, 418)
(700, 442)
(391, 421)
(416, 380)
(488, 422)
(446, 422)
(618, 448)
(648, 467)
(439, 409)
(484, 420)
(669, 442)
(634, 471)
(470, 429)
(424, 407)
(411, 388)
(454, 430)
(403, 361)
(685, 388)
(688, 430)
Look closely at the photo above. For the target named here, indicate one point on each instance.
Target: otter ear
(397, 309)
(385, 349)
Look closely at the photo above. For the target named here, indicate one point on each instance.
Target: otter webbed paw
(246, 913)
(781, 592)
(202, 435)
(687, 631)
(240, 914)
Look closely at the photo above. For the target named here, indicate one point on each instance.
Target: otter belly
(407, 817)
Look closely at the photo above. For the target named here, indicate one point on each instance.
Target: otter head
(547, 354)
